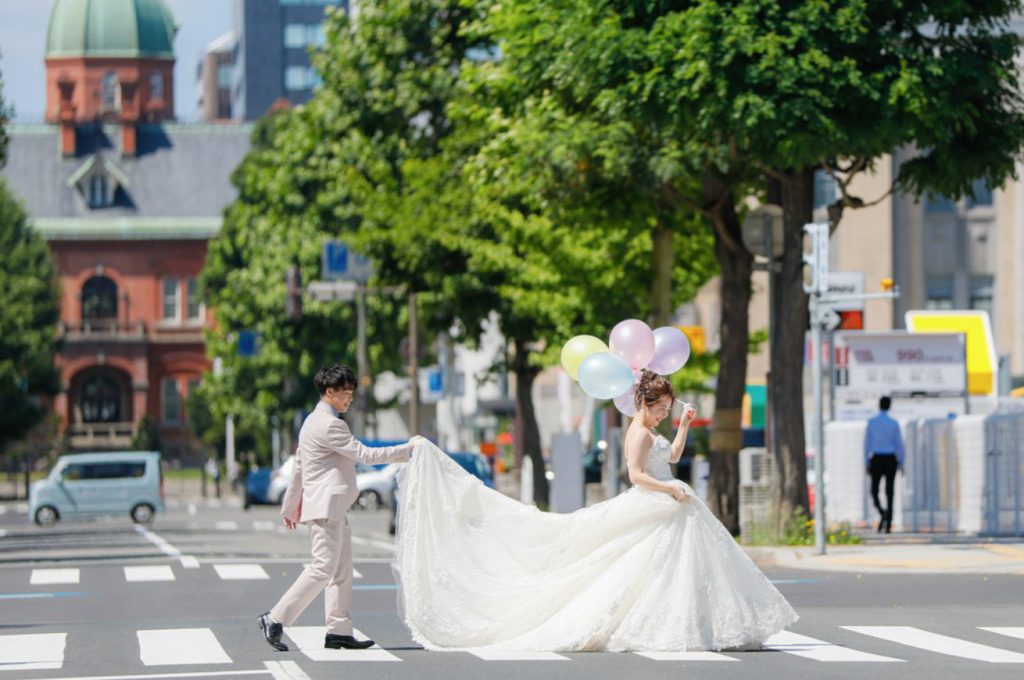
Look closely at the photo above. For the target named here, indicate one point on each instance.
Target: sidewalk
(909, 554)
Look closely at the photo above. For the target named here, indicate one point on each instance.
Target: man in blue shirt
(883, 456)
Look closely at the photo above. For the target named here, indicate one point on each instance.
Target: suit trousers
(883, 465)
(331, 569)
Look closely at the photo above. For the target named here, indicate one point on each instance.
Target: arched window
(101, 399)
(156, 85)
(99, 299)
(111, 92)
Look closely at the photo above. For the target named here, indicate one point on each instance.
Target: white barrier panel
(969, 433)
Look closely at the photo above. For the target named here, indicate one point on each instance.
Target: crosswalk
(156, 573)
(201, 647)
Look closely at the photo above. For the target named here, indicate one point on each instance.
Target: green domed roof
(111, 28)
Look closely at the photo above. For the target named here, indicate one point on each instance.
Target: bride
(649, 570)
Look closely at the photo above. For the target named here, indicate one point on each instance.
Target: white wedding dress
(640, 571)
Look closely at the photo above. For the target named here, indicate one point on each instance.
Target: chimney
(129, 118)
(66, 117)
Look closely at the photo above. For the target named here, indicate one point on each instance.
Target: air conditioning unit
(755, 467)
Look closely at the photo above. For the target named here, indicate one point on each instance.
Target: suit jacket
(324, 477)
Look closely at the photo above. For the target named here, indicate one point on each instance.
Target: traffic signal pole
(820, 303)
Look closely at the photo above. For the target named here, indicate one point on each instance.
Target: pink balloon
(626, 403)
(633, 342)
(671, 350)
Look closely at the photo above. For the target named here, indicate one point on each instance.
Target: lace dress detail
(657, 460)
(638, 572)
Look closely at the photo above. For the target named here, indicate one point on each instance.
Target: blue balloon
(605, 376)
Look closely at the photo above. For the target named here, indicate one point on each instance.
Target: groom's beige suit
(322, 489)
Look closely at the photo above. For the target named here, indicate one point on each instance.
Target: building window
(225, 71)
(195, 305)
(111, 92)
(156, 85)
(170, 400)
(940, 292)
(825, 189)
(171, 298)
(301, 36)
(982, 194)
(99, 299)
(101, 400)
(298, 78)
(981, 293)
(937, 203)
(101, 193)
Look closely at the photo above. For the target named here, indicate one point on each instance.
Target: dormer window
(100, 193)
(111, 92)
(98, 180)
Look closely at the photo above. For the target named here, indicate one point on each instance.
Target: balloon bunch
(611, 371)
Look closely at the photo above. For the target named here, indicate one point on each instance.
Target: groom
(322, 489)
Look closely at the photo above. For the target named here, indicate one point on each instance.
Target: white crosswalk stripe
(310, 641)
(819, 650)
(940, 644)
(489, 655)
(241, 572)
(45, 577)
(141, 574)
(180, 646)
(1014, 632)
(686, 656)
(34, 652)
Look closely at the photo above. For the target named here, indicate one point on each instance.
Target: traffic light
(816, 258)
(293, 294)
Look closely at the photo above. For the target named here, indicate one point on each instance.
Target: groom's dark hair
(337, 376)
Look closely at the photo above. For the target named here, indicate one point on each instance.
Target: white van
(91, 484)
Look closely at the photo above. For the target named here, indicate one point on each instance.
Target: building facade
(271, 56)
(127, 201)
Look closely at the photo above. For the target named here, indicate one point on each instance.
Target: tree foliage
(28, 321)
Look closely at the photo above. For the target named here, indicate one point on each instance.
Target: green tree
(711, 99)
(589, 83)
(835, 86)
(458, 195)
(28, 315)
(281, 218)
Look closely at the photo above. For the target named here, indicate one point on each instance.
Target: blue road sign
(248, 343)
(340, 262)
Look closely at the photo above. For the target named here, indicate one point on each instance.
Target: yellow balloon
(578, 349)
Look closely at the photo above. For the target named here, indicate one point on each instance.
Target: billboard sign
(922, 369)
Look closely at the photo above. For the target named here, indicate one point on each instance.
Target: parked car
(473, 463)
(279, 480)
(374, 483)
(257, 484)
(93, 484)
(267, 487)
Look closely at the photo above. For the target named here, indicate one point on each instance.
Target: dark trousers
(883, 465)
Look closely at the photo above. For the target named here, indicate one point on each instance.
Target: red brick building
(127, 200)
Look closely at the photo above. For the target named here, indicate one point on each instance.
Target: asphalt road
(105, 600)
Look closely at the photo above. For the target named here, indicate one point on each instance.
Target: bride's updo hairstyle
(651, 389)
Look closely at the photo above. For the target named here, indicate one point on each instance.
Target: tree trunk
(787, 353)
(661, 285)
(530, 432)
(736, 265)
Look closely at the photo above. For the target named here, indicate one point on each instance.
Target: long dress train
(640, 571)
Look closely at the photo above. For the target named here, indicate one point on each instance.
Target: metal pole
(229, 448)
(819, 428)
(414, 368)
(362, 397)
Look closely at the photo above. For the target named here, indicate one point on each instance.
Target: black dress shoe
(333, 641)
(272, 631)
